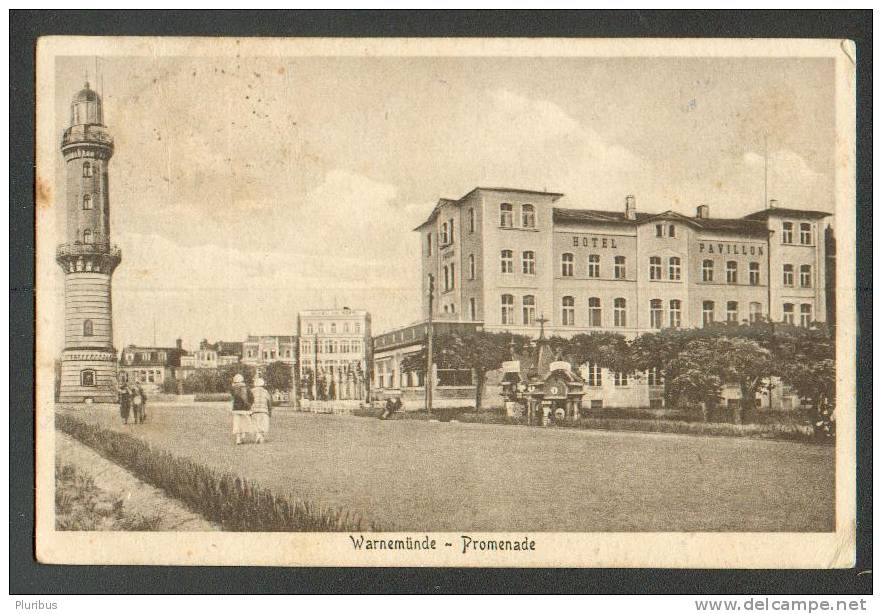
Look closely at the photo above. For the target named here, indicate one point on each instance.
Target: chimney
(773, 203)
(702, 212)
(630, 207)
(179, 343)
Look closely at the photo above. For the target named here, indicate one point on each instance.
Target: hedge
(234, 503)
(208, 397)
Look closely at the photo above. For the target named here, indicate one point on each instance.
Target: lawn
(415, 475)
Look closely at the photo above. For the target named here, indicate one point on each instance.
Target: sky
(244, 190)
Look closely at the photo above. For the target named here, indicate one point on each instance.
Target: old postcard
(477, 302)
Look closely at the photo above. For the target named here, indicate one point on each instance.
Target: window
(594, 312)
(620, 314)
(707, 313)
(672, 231)
(87, 201)
(452, 234)
(754, 273)
(507, 309)
(443, 238)
(452, 276)
(345, 327)
(619, 268)
(805, 275)
(471, 219)
(675, 312)
(471, 266)
(655, 271)
(566, 265)
(506, 215)
(674, 267)
(655, 313)
(593, 374)
(529, 303)
(87, 377)
(707, 270)
(473, 309)
(659, 230)
(805, 234)
(805, 315)
(788, 275)
(357, 327)
(507, 260)
(756, 312)
(309, 329)
(87, 169)
(429, 244)
(620, 378)
(87, 328)
(333, 327)
(431, 284)
(528, 263)
(653, 377)
(568, 315)
(787, 232)
(594, 265)
(731, 311)
(731, 272)
(87, 237)
(788, 313)
(528, 216)
(445, 271)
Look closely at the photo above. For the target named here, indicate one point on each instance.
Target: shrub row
(209, 397)
(232, 502)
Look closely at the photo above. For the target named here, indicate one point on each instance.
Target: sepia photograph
(439, 302)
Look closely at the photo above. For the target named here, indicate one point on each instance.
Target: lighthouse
(87, 257)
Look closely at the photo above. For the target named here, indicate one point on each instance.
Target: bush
(234, 503)
(210, 397)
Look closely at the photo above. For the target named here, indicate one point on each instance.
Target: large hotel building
(502, 259)
(505, 257)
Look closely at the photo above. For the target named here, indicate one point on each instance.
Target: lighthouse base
(88, 376)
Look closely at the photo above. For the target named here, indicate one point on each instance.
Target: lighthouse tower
(88, 361)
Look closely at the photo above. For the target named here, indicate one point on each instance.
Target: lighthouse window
(87, 377)
(87, 169)
(87, 201)
(87, 237)
(87, 328)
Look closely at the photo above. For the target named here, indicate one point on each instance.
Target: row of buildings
(329, 354)
(506, 260)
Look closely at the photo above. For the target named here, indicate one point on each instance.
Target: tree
(691, 381)
(477, 351)
(607, 350)
(278, 377)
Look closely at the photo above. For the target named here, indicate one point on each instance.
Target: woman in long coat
(242, 399)
(261, 409)
(125, 400)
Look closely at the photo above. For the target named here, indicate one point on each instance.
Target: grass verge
(234, 503)
(82, 506)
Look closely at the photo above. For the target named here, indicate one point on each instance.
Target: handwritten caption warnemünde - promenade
(464, 544)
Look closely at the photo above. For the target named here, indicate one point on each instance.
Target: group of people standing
(252, 409)
(132, 400)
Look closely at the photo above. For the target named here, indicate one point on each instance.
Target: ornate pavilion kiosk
(540, 386)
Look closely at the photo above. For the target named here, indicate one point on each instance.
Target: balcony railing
(85, 134)
(87, 249)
